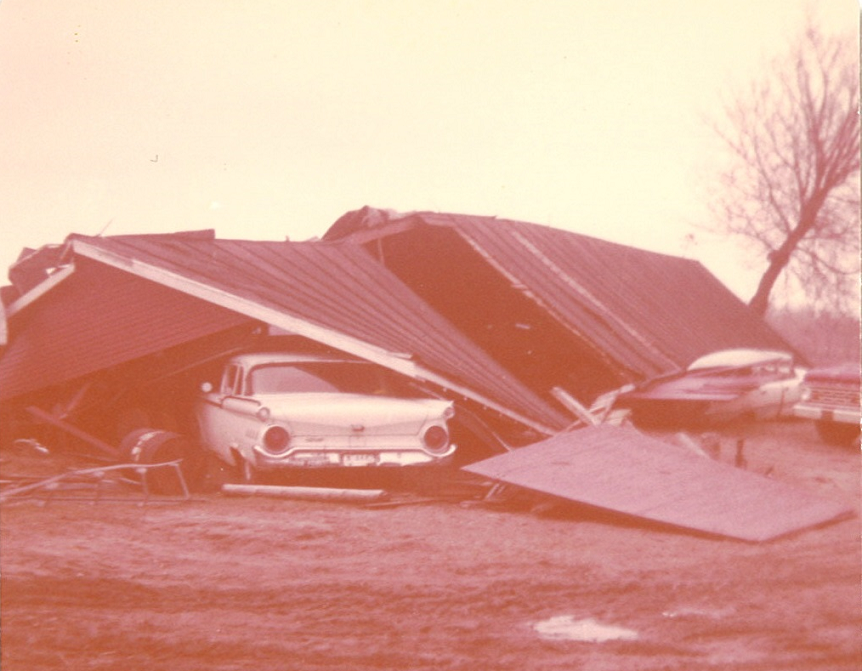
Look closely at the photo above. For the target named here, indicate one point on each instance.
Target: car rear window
(328, 377)
(276, 379)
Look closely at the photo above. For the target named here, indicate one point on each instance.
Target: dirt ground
(222, 583)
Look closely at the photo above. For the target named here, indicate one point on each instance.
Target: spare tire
(154, 446)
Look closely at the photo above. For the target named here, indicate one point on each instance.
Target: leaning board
(623, 470)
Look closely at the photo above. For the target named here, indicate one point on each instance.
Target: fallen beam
(72, 430)
(307, 493)
(98, 474)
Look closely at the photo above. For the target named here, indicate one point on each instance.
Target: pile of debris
(533, 343)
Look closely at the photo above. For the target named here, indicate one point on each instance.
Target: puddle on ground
(567, 628)
(695, 611)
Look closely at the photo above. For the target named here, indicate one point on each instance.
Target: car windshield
(324, 377)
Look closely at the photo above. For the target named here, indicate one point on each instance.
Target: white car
(275, 411)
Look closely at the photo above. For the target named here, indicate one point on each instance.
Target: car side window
(229, 379)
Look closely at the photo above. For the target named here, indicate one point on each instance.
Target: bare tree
(790, 187)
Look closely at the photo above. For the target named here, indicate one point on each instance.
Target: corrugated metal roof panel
(620, 469)
(337, 287)
(651, 311)
(648, 312)
(96, 318)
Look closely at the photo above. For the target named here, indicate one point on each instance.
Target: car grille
(835, 396)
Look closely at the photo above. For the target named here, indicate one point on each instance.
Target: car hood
(840, 373)
(378, 414)
(706, 387)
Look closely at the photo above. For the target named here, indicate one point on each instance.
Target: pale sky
(266, 120)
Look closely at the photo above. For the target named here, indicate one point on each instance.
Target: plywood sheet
(623, 470)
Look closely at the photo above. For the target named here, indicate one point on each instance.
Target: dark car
(831, 398)
(718, 387)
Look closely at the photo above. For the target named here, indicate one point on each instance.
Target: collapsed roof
(559, 308)
(502, 313)
(118, 298)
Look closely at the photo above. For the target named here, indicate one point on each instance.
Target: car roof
(732, 358)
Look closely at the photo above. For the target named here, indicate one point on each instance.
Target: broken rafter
(72, 430)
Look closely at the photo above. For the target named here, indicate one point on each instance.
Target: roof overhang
(40, 290)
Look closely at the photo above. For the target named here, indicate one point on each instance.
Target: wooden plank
(622, 470)
(306, 493)
(72, 430)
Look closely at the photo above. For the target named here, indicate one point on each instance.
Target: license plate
(359, 459)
